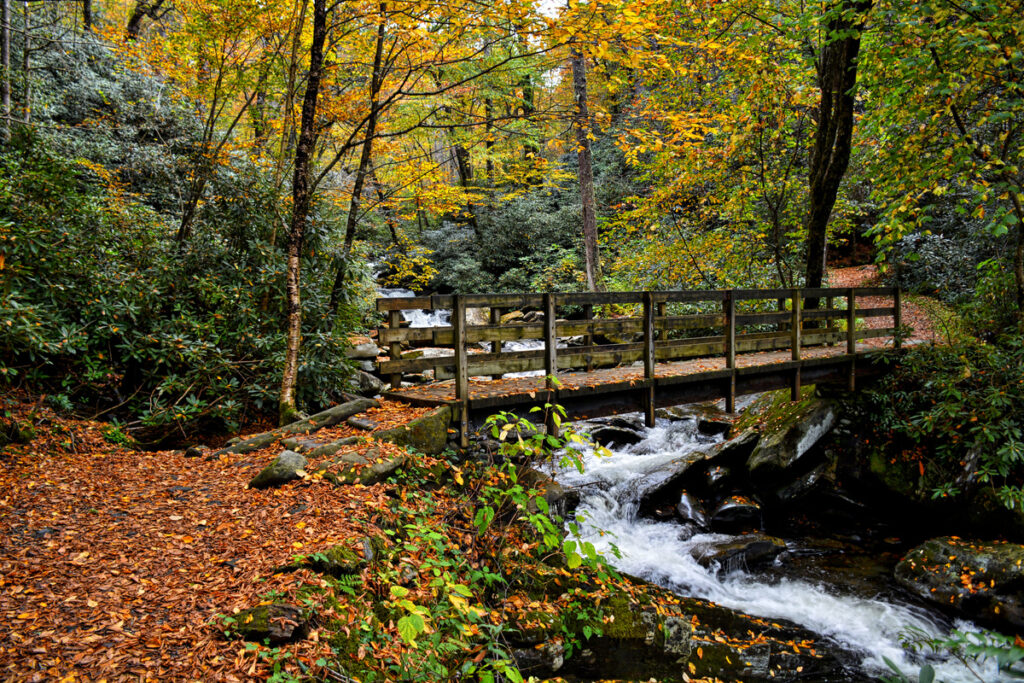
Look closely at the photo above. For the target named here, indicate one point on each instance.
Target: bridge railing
(803, 317)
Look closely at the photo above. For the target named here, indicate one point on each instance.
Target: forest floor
(114, 562)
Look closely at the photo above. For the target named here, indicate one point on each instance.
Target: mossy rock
(284, 468)
(652, 633)
(276, 623)
(789, 430)
(427, 434)
(975, 579)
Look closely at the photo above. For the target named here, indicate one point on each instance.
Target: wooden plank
(830, 313)
(754, 294)
(762, 318)
(461, 368)
(403, 303)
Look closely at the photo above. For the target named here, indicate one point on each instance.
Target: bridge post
(897, 317)
(496, 345)
(649, 358)
(729, 309)
(550, 356)
(461, 367)
(395, 350)
(795, 339)
(851, 335)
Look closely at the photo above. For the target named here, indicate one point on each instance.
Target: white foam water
(656, 551)
(416, 317)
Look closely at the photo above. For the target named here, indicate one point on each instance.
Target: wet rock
(362, 348)
(425, 377)
(367, 468)
(978, 580)
(427, 434)
(195, 451)
(710, 419)
(561, 501)
(611, 435)
(735, 451)
(717, 476)
(660, 489)
(278, 623)
(532, 317)
(366, 384)
(367, 366)
(736, 514)
(690, 510)
(804, 485)
(286, 467)
(739, 553)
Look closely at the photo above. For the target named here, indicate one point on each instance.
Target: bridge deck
(487, 393)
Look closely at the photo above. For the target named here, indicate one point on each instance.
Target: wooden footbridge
(616, 352)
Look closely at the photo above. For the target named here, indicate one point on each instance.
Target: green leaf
(408, 630)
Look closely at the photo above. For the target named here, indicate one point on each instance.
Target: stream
(863, 614)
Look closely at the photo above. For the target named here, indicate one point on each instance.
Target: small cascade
(416, 317)
(664, 552)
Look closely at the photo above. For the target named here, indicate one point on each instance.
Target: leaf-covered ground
(114, 562)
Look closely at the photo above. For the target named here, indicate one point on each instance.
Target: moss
(427, 434)
(774, 407)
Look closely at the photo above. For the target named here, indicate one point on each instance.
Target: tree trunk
(837, 79)
(87, 15)
(5, 66)
(591, 256)
(352, 220)
(300, 210)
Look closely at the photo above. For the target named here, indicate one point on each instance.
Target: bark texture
(591, 256)
(300, 211)
(830, 157)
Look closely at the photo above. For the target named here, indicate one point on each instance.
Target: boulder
(718, 476)
(741, 552)
(736, 514)
(427, 434)
(978, 580)
(366, 384)
(362, 348)
(277, 623)
(512, 317)
(660, 489)
(195, 451)
(354, 467)
(286, 467)
(788, 432)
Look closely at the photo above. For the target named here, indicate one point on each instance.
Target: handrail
(648, 338)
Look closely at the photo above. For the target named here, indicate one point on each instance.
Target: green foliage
(104, 308)
(969, 648)
(956, 411)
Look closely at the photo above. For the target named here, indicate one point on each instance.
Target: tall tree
(301, 200)
(833, 138)
(582, 124)
(5, 66)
